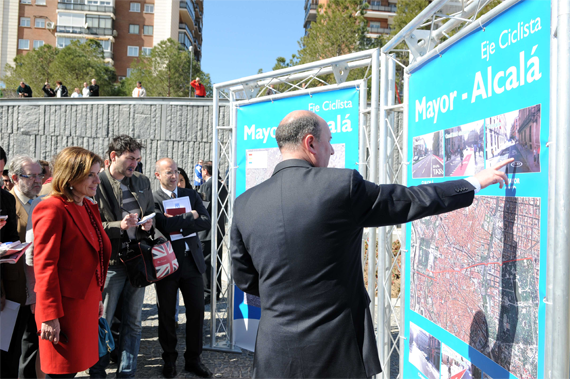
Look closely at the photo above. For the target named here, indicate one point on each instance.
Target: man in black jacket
(296, 242)
(48, 91)
(206, 236)
(93, 88)
(181, 230)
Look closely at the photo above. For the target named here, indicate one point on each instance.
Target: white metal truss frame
(425, 45)
(249, 90)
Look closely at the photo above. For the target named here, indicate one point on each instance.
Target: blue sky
(242, 36)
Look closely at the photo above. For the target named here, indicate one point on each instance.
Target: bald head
(166, 171)
(295, 126)
(304, 135)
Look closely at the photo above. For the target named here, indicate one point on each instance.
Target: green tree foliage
(166, 72)
(32, 68)
(339, 29)
(406, 11)
(76, 63)
(80, 62)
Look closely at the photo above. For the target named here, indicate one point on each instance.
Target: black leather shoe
(198, 368)
(169, 370)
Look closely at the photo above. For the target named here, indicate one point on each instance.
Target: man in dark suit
(181, 230)
(296, 241)
(206, 236)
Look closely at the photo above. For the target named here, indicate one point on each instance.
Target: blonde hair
(72, 165)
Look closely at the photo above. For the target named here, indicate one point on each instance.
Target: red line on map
(427, 276)
(479, 264)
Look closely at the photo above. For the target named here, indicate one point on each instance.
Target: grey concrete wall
(180, 129)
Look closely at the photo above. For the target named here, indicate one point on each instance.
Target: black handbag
(147, 261)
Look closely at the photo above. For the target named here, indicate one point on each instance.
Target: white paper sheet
(179, 202)
(7, 322)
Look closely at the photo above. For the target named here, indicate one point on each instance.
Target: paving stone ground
(223, 365)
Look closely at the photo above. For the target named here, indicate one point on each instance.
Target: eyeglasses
(171, 173)
(32, 176)
(7, 181)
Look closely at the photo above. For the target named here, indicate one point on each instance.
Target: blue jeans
(116, 286)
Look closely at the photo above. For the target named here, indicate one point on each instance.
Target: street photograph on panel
(454, 366)
(464, 147)
(424, 351)
(475, 273)
(514, 135)
(428, 156)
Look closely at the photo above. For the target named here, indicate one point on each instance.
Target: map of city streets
(475, 273)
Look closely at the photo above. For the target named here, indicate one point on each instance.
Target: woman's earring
(70, 188)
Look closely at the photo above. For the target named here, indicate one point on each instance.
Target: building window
(24, 44)
(40, 23)
(147, 30)
(38, 44)
(71, 19)
(94, 21)
(135, 7)
(25, 22)
(106, 43)
(133, 29)
(25, 1)
(129, 72)
(133, 51)
(146, 51)
(149, 8)
(40, 2)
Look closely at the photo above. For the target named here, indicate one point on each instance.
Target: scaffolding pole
(560, 347)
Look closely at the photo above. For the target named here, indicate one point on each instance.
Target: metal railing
(372, 29)
(86, 7)
(82, 30)
(187, 29)
(382, 8)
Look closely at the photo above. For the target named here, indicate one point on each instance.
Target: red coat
(199, 87)
(65, 263)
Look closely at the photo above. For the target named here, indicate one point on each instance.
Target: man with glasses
(124, 196)
(6, 182)
(26, 174)
(181, 230)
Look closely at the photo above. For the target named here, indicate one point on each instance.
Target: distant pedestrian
(270, 91)
(199, 87)
(48, 91)
(85, 90)
(93, 88)
(139, 90)
(198, 174)
(76, 93)
(24, 90)
(60, 89)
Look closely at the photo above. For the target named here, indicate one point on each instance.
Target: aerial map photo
(475, 273)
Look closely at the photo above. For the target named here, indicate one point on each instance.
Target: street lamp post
(191, 49)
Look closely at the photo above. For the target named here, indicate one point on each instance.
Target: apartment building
(379, 15)
(126, 29)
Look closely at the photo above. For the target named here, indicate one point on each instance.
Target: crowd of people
(81, 211)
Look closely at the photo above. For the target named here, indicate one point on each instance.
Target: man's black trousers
(189, 280)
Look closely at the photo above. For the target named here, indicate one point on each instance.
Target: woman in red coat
(71, 257)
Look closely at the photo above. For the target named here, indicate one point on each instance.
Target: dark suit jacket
(296, 241)
(184, 222)
(9, 233)
(206, 192)
(14, 276)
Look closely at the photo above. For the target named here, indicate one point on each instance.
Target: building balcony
(184, 28)
(187, 12)
(373, 30)
(86, 7)
(82, 30)
(185, 40)
(108, 54)
(311, 12)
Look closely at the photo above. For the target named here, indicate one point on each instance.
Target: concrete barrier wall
(176, 128)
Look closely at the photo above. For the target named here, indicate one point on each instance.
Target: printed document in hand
(8, 318)
(177, 206)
